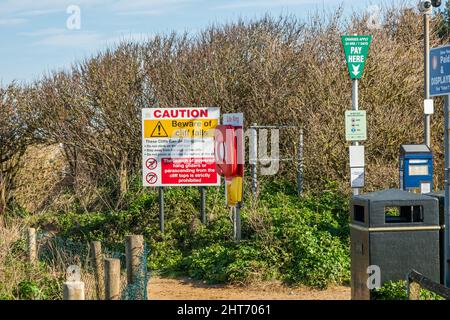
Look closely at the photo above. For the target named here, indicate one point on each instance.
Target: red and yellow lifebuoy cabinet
(229, 157)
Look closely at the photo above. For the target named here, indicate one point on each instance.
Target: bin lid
(438, 193)
(393, 195)
(414, 148)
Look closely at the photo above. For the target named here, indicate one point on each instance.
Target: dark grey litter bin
(441, 198)
(395, 230)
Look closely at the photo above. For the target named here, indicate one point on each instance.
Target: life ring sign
(229, 155)
(225, 151)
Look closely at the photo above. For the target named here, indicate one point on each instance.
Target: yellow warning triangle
(159, 131)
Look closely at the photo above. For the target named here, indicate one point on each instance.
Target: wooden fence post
(134, 250)
(73, 290)
(112, 279)
(97, 265)
(32, 245)
(414, 291)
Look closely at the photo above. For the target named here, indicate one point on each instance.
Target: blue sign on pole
(440, 71)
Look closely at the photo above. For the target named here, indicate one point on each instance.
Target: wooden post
(97, 265)
(32, 247)
(414, 291)
(73, 290)
(112, 279)
(134, 250)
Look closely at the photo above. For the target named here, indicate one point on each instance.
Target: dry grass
(40, 178)
(43, 280)
(18, 278)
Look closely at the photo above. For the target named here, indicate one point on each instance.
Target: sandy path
(187, 289)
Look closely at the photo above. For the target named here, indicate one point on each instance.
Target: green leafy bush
(45, 288)
(296, 240)
(209, 263)
(391, 291)
(397, 290)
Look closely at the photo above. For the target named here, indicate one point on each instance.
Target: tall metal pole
(426, 59)
(300, 164)
(161, 208)
(355, 107)
(447, 187)
(203, 204)
(254, 158)
(237, 223)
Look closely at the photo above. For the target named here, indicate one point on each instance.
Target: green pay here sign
(355, 125)
(356, 49)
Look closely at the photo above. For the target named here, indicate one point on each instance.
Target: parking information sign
(440, 71)
(355, 125)
(356, 49)
(178, 147)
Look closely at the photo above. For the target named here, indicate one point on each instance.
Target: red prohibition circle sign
(151, 163)
(151, 178)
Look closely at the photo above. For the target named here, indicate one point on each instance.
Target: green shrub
(249, 264)
(391, 291)
(164, 256)
(295, 240)
(45, 288)
(396, 290)
(209, 263)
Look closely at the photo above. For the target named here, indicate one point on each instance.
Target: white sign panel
(233, 119)
(357, 177)
(356, 156)
(425, 187)
(178, 147)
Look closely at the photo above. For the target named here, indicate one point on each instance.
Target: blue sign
(440, 71)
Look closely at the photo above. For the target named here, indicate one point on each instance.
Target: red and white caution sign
(178, 146)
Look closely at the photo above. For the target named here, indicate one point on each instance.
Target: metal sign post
(203, 204)
(439, 85)
(355, 107)
(300, 164)
(161, 208)
(356, 49)
(426, 47)
(253, 158)
(447, 187)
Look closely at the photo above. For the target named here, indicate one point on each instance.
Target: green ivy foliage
(296, 240)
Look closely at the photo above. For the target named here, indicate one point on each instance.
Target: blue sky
(35, 38)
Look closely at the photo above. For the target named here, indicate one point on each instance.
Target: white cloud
(68, 39)
(141, 13)
(43, 32)
(58, 37)
(40, 7)
(271, 3)
(126, 37)
(34, 13)
(12, 21)
(148, 7)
